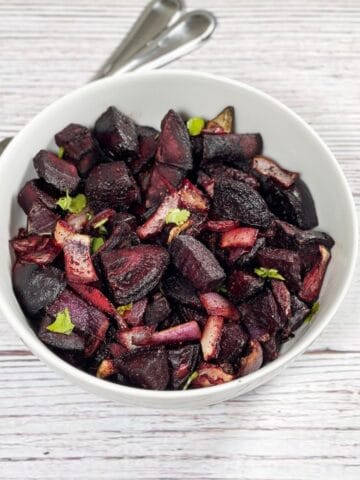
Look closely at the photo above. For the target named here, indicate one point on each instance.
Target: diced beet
(110, 185)
(78, 145)
(121, 218)
(174, 142)
(182, 361)
(157, 310)
(133, 272)
(233, 341)
(216, 304)
(117, 134)
(196, 224)
(148, 142)
(283, 299)
(253, 360)
(244, 237)
(309, 257)
(163, 180)
(261, 311)
(196, 149)
(216, 171)
(115, 349)
(134, 316)
(62, 232)
(285, 261)
(186, 332)
(77, 221)
(234, 200)
(221, 225)
(270, 169)
(294, 205)
(101, 217)
(87, 319)
(232, 147)
(313, 280)
(78, 264)
(57, 172)
(35, 249)
(271, 348)
(135, 337)
(73, 342)
(156, 222)
(299, 311)
(196, 263)
(32, 193)
(179, 290)
(243, 256)
(192, 199)
(147, 369)
(209, 375)
(211, 336)
(243, 285)
(41, 220)
(35, 286)
(224, 121)
(206, 182)
(308, 237)
(189, 314)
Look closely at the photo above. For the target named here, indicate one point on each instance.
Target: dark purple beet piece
(78, 145)
(216, 171)
(271, 348)
(294, 205)
(253, 360)
(287, 262)
(57, 172)
(41, 220)
(73, 342)
(268, 168)
(299, 311)
(174, 142)
(157, 310)
(196, 263)
(37, 287)
(283, 299)
(189, 314)
(233, 341)
(261, 311)
(147, 369)
(309, 237)
(182, 362)
(179, 290)
(164, 179)
(134, 316)
(133, 272)
(32, 193)
(37, 249)
(242, 257)
(117, 134)
(120, 218)
(243, 285)
(110, 185)
(235, 200)
(232, 147)
(148, 141)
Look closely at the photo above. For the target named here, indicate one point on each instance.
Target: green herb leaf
(96, 243)
(177, 216)
(195, 125)
(190, 379)
(124, 308)
(61, 152)
(222, 289)
(89, 216)
(72, 204)
(62, 323)
(314, 309)
(100, 226)
(268, 273)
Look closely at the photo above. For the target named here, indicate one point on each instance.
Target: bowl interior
(146, 97)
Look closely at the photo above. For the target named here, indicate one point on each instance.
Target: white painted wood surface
(303, 425)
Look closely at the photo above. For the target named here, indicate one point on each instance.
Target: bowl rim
(118, 390)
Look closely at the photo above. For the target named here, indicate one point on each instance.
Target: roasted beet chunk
(60, 174)
(37, 287)
(253, 360)
(216, 171)
(110, 185)
(182, 361)
(163, 179)
(233, 341)
(299, 311)
(261, 316)
(35, 249)
(294, 204)
(313, 280)
(270, 169)
(231, 148)
(41, 220)
(179, 290)
(243, 285)
(285, 261)
(283, 299)
(157, 310)
(117, 134)
(196, 263)
(174, 142)
(148, 141)
(33, 192)
(73, 342)
(133, 272)
(147, 369)
(78, 145)
(234, 200)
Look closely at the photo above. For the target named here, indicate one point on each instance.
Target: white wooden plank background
(305, 424)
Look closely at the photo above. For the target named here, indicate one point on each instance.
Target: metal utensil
(154, 47)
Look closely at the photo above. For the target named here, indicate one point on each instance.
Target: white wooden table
(305, 424)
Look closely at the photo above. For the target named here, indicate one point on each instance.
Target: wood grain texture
(305, 424)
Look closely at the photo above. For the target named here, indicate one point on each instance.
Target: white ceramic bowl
(146, 97)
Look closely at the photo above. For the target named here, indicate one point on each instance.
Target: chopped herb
(100, 226)
(89, 216)
(177, 216)
(222, 289)
(61, 152)
(72, 204)
(190, 379)
(96, 243)
(62, 323)
(314, 309)
(195, 125)
(268, 273)
(124, 308)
